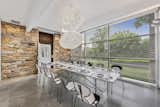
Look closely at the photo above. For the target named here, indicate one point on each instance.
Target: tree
(147, 19)
(125, 44)
(97, 49)
(122, 44)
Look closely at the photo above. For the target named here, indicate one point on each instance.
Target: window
(130, 44)
(78, 53)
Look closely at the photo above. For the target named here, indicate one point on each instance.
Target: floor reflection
(26, 93)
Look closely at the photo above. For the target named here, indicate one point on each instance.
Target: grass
(130, 60)
(136, 73)
(129, 72)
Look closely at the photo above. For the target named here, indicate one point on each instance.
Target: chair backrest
(116, 68)
(44, 69)
(38, 68)
(115, 74)
(48, 72)
(53, 75)
(85, 91)
(78, 89)
(90, 64)
(90, 99)
(88, 96)
(70, 86)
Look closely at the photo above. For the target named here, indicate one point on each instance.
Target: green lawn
(129, 72)
(136, 73)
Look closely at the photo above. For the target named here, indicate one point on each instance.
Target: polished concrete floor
(24, 92)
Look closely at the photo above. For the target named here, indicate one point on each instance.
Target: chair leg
(43, 82)
(37, 79)
(123, 87)
(57, 94)
(60, 95)
(111, 88)
(96, 105)
(73, 101)
(78, 103)
(107, 89)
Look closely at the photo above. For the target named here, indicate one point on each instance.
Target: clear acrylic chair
(40, 76)
(114, 75)
(54, 82)
(83, 93)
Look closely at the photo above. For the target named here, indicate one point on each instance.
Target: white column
(159, 49)
(157, 15)
(0, 51)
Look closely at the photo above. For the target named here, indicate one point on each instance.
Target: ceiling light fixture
(71, 22)
(70, 40)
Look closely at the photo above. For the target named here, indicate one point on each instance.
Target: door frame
(43, 33)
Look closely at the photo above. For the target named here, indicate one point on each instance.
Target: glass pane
(132, 45)
(140, 26)
(95, 50)
(76, 52)
(137, 47)
(98, 34)
(138, 69)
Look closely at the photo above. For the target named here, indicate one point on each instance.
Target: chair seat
(57, 80)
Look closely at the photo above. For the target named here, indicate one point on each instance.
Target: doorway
(45, 48)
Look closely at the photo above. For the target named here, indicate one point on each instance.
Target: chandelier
(71, 21)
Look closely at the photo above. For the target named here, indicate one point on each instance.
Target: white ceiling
(48, 13)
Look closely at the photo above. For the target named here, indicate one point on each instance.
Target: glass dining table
(96, 79)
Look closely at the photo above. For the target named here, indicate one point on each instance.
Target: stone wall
(19, 51)
(59, 53)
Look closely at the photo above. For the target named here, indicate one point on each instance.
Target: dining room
(79, 53)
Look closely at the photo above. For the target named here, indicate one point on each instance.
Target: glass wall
(96, 46)
(130, 44)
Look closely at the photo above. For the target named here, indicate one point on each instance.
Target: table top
(93, 72)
